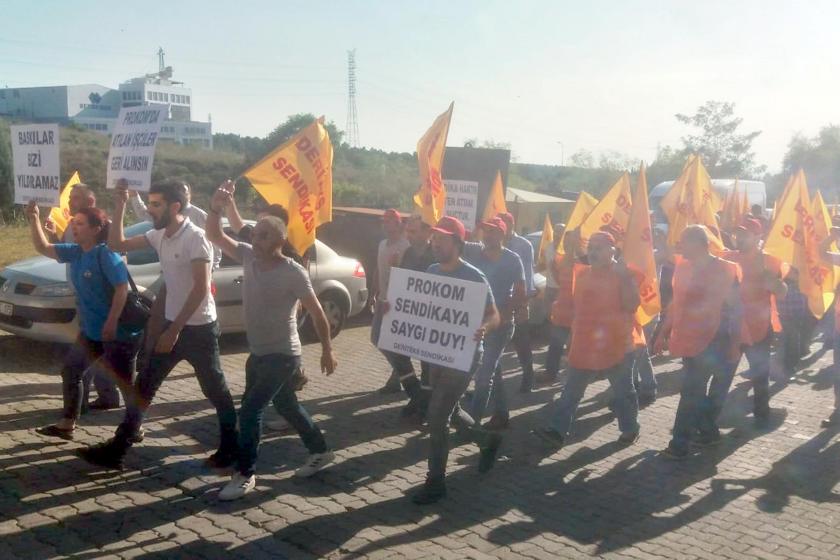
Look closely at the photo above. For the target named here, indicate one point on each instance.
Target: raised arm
(322, 327)
(39, 238)
(138, 206)
(232, 212)
(213, 228)
(116, 235)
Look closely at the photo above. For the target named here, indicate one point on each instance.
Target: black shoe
(138, 437)
(498, 423)
(220, 460)
(489, 453)
(628, 438)
(55, 431)
(99, 404)
(546, 378)
(550, 436)
(526, 387)
(646, 399)
(105, 455)
(391, 387)
(761, 421)
(429, 493)
(832, 421)
(706, 440)
(673, 453)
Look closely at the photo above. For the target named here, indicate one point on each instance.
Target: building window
(188, 100)
(2, 94)
(15, 94)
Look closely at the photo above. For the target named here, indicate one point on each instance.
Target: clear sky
(593, 75)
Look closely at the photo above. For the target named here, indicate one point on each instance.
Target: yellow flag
(496, 201)
(584, 205)
(822, 229)
(611, 213)
(692, 200)
(431, 196)
(638, 253)
(794, 238)
(298, 175)
(61, 216)
(545, 241)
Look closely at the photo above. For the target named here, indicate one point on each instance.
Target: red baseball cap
(392, 214)
(751, 226)
(507, 217)
(451, 226)
(497, 223)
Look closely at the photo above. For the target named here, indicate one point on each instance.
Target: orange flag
(431, 196)
(612, 212)
(795, 237)
(546, 240)
(638, 253)
(692, 200)
(496, 201)
(61, 216)
(298, 175)
(584, 205)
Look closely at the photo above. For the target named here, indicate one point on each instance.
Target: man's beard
(162, 222)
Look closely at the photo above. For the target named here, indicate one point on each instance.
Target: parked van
(756, 194)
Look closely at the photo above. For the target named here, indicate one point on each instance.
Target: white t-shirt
(176, 255)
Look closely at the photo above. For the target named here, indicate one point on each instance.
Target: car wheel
(334, 308)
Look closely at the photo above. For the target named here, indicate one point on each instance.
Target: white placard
(433, 318)
(462, 201)
(36, 163)
(132, 152)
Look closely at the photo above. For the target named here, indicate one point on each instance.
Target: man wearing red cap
(504, 272)
(390, 253)
(702, 327)
(448, 385)
(761, 284)
(605, 297)
(522, 335)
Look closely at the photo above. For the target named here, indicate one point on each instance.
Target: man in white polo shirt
(190, 331)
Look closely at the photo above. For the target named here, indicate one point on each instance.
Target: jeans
(489, 377)
(758, 357)
(701, 401)
(643, 377)
(558, 338)
(522, 345)
(625, 400)
(448, 386)
(267, 378)
(106, 389)
(198, 345)
(116, 359)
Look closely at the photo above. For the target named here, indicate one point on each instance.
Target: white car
(37, 302)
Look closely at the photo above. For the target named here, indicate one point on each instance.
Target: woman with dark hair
(100, 279)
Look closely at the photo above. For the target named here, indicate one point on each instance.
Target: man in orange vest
(605, 296)
(761, 284)
(702, 327)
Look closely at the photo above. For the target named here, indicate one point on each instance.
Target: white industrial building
(96, 107)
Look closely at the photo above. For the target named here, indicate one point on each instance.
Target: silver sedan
(37, 301)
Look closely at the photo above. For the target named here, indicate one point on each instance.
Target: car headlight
(62, 289)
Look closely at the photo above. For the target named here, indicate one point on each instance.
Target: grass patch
(15, 244)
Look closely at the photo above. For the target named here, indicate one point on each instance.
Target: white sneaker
(238, 486)
(316, 462)
(279, 425)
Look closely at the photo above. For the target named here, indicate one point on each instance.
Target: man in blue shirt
(522, 336)
(448, 385)
(504, 272)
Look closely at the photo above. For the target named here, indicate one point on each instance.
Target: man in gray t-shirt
(273, 284)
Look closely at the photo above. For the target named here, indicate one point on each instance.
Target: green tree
(819, 157)
(724, 150)
(293, 125)
(6, 179)
(583, 158)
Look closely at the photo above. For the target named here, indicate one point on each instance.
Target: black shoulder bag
(137, 308)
